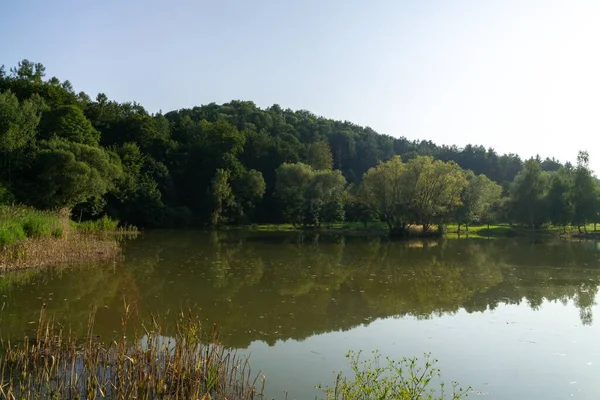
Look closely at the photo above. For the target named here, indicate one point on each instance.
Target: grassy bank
(492, 231)
(191, 364)
(33, 238)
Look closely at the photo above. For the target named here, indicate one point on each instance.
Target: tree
(584, 194)
(65, 174)
(69, 122)
(319, 155)
(478, 199)
(436, 187)
(560, 206)
(310, 197)
(222, 196)
(527, 195)
(325, 197)
(249, 190)
(386, 193)
(18, 125)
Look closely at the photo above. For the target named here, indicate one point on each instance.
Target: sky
(521, 76)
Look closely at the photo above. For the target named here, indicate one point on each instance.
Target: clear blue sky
(519, 76)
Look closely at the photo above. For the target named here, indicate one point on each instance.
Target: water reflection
(273, 287)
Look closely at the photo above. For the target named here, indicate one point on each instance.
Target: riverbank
(32, 238)
(451, 231)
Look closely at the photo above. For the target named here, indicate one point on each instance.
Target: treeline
(231, 164)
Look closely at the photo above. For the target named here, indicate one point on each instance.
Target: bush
(399, 380)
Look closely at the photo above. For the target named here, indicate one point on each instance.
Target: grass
(43, 252)
(19, 223)
(34, 238)
(493, 231)
(103, 225)
(192, 364)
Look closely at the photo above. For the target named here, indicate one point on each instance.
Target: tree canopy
(237, 163)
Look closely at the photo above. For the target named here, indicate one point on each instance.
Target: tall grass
(55, 365)
(34, 238)
(103, 225)
(45, 252)
(19, 223)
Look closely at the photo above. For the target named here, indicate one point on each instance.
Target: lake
(514, 319)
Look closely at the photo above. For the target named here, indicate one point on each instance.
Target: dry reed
(54, 365)
(73, 248)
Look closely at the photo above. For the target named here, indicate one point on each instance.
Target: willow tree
(436, 187)
(308, 196)
(479, 198)
(387, 193)
(527, 195)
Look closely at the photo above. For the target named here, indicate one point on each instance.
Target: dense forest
(238, 164)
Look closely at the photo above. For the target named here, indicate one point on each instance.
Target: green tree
(325, 197)
(64, 174)
(292, 184)
(436, 188)
(386, 193)
(222, 196)
(528, 195)
(560, 206)
(68, 122)
(18, 127)
(478, 199)
(249, 190)
(584, 193)
(319, 155)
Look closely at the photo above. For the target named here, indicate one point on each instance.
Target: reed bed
(190, 365)
(43, 252)
(32, 238)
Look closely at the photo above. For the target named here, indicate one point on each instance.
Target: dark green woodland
(238, 164)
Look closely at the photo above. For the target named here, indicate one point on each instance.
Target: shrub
(406, 379)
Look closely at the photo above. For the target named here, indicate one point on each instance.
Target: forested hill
(60, 148)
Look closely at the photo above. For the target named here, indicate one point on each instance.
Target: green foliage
(319, 155)
(18, 223)
(479, 199)
(584, 193)
(68, 122)
(64, 174)
(104, 224)
(18, 121)
(423, 191)
(222, 195)
(11, 232)
(293, 181)
(6, 196)
(527, 195)
(407, 379)
(60, 148)
(310, 197)
(560, 202)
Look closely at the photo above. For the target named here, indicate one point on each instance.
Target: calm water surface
(513, 319)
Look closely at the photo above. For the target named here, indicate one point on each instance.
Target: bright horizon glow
(521, 77)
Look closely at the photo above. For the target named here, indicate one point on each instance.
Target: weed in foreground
(406, 379)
